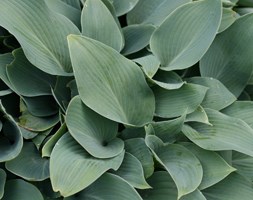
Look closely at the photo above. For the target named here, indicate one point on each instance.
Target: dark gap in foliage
(11, 104)
(123, 21)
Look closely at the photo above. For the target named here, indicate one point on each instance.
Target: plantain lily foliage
(126, 99)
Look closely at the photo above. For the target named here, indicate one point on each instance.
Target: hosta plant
(126, 99)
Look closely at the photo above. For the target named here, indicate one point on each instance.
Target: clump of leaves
(126, 99)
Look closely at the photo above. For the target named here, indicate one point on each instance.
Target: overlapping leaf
(131, 170)
(123, 6)
(184, 168)
(96, 134)
(214, 166)
(23, 190)
(41, 33)
(229, 58)
(101, 73)
(11, 140)
(100, 27)
(136, 37)
(71, 164)
(224, 133)
(217, 96)
(234, 187)
(174, 103)
(186, 34)
(138, 148)
(109, 186)
(29, 164)
(26, 78)
(153, 11)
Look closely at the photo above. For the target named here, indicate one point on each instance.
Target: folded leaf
(168, 80)
(131, 170)
(168, 130)
(96, 134)
(49, 145)
(215, 168)
(103, 74)
(217, 96)
(186, 34)
(11, 140)
(198, 115)
(41, 33)
(149, 63)
(138, 148)
(163, 187)
(184, 168)
(225, 133)
(71, 164)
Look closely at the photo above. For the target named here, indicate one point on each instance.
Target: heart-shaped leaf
(101, 73)
(71, 164)
(96, 134)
